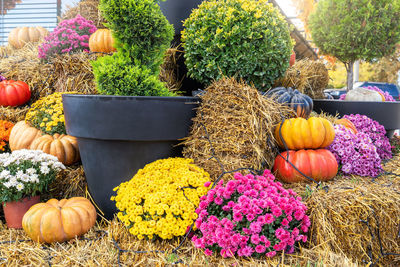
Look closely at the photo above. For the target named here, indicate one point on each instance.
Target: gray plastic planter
(386, 113)
(119, 135)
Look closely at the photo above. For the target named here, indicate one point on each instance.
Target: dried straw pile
(239, 122)
(69, 183)
(308, 76)
(87, 9)
(103, 252)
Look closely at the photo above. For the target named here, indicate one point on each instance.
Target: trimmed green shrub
(142, 34)
(247, 39)
(118, 75)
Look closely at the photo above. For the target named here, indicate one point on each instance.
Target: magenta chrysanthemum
(250, 216)
(69, 36)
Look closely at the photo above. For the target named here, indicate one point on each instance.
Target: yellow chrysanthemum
(160, 200)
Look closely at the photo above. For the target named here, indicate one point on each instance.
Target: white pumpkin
(364, 94)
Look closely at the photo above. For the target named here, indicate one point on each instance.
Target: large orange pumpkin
(320, 164)
(64, 147)
(299, 133)
(18, 37)
(102, 41)
(59, 221)
(22, 135)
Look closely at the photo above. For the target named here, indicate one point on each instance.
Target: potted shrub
(136, 120)
(24, 174)
(247, 39)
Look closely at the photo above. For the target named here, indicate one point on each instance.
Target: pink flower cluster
(69, 36)
(387, 96)
(250, 216)
(375, 131)
(2, 78)
(355, 152)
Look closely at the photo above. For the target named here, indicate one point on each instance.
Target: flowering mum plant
(160, 200)
(375, 131)
(2, 78)
(387, 96)
(355, 152)
(5, 130)
(69, 36)
(25, 173)
(47, 114)
(250, 216)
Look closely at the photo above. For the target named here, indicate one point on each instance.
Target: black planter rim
(358, 102)
(164, 98)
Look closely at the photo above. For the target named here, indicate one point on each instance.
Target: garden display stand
(118, 135)
(386, 113)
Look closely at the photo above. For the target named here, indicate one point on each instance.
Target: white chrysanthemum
(44, 169)
(20, 186)
(31, 171)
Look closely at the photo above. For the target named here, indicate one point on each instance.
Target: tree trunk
(349, 68)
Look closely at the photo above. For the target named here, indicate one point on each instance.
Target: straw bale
(240, 124)
(24, 65)
(336, 215)
(87, 9)
(73, 72)
(308, 76)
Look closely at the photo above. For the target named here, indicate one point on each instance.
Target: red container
(15, 210)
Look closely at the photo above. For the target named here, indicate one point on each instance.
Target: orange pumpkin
(18, 37)
(59, 221)
(64, 147)
(320, 164)
(22, 135)
(299, 133)
(348, 124)
(102, 41)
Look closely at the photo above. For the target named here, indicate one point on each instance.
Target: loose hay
(100, 250)
(240, 124)
(69, 183)
(169, 73)
(308, 76)
(87, 9)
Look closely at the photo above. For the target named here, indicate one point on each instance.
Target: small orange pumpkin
(102, 41)
(300, 133)
(59, 221)
(64, 147)
(348, 124)
(18, 37)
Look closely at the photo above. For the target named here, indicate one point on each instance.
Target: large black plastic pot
(177, 11)
(118, 135)
(386, 113)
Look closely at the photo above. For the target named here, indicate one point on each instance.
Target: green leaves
(119, 75)
(142, 35)
(248, 39)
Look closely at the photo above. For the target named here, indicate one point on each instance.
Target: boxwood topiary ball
(247, 39)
